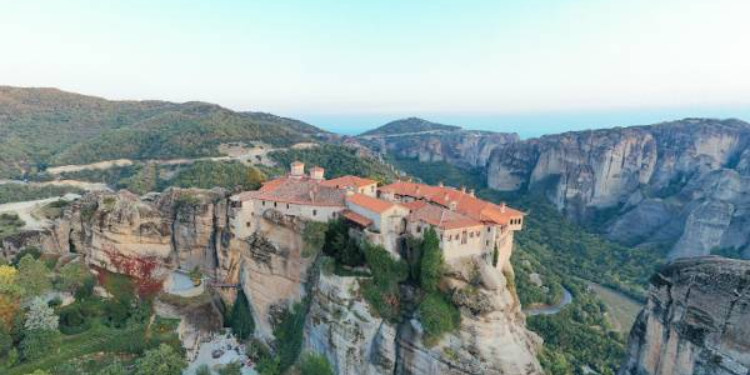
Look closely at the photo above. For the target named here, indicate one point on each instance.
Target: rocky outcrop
(682, 183)
(492, 338)
(462, 147)
(696, 320)
(185, 228)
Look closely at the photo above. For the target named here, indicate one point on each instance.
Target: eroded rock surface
(696, 320)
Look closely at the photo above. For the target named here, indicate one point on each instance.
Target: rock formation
(696, 320)
(492, 338)
(683, 183)
(185, 228)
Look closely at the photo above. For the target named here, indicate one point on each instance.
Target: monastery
(466, 226)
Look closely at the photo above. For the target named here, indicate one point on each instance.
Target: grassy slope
(49, 126)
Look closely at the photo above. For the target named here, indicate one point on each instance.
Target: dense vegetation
(23, 192)
(10, 224)
(47, 126)
(206, 174)
(337, 161)
(92, 335)
(409, 125)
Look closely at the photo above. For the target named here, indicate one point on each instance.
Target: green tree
(114, 368)
(39, 372)
(315, 364)
(6, 340)
(242, 322)
(73, 276)
(163, 360)
(39, 343)
(438, 316)
(34, 274)
(234, 368)
(431, 266)
(203, 370)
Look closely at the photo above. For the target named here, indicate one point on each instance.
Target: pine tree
(242, 322)
(431, 266)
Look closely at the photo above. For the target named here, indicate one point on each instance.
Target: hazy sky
(347, 64)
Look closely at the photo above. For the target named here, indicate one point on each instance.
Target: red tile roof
(370, 203)
(344, 182)
(442, 217)
(357, 218)
(466, 204)
(297, 191)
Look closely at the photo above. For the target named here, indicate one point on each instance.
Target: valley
(604, 211)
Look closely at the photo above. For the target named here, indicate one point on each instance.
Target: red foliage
(141, 269)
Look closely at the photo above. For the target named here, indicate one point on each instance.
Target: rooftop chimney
(317, 173)
(453, 205)
(463, 189)
(298, 169)
(471, 192)
(441, 184)
(502, 207)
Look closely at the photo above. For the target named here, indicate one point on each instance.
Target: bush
(438, 316)
(289, 334)
(315, 364)
(163, 360)
(340, 246)
(234, 368)
(314, 236)
(382, 291)
(203, 370)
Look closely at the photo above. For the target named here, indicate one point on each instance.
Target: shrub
(382, 292)
(234, 368)
(203, 370)
(314, 236)
(438, 316)
(315, 364)
(163, 360)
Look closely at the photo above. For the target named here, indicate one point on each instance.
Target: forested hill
(44, 126)
(409, 125)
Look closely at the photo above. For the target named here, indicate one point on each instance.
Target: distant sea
(527, 125)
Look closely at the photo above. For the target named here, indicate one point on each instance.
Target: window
(471, 234)
(315, 212)
(264, 203)
(441, 237)
(487, 243)
(287, 206)
(275, 204)
(247, 224)
(419, 229)
(488, 229)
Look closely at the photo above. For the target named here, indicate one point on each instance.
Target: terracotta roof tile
(442, 217)
(344, 182)
(357, 218)
(370, 203)
(298, 191)
(466, 204)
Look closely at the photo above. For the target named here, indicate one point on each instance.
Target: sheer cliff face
(492, 338)
(465, 148)
(684, 182)
(696, 321)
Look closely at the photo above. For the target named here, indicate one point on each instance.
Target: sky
(529, 66)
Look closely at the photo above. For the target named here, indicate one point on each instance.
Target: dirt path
(257, 154)
(25, 209)
(622, 309)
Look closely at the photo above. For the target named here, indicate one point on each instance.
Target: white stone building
(467, 226)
